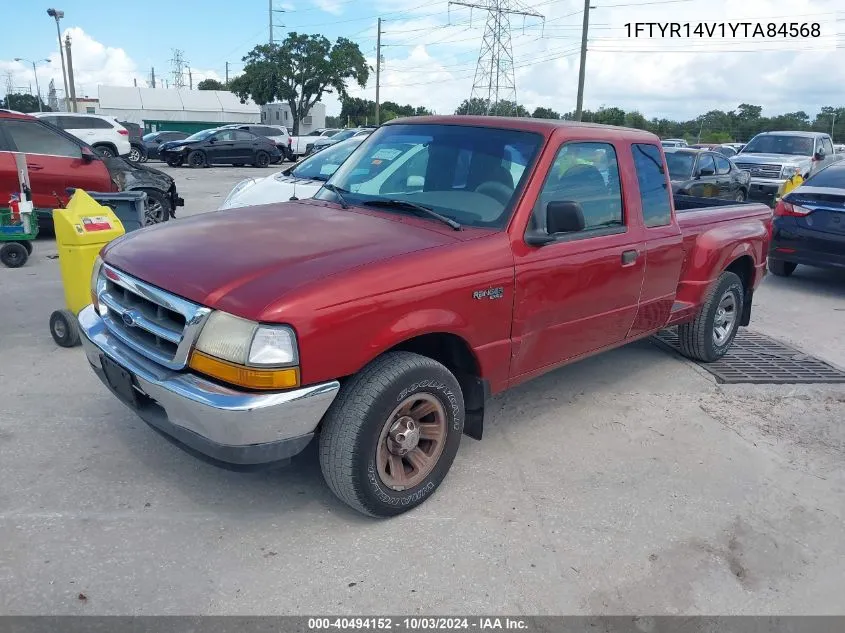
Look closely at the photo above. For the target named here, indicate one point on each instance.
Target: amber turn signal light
(267, 379)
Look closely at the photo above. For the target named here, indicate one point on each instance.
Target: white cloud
(335, 7)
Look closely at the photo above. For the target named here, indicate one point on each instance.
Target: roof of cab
(13, 114)
(543, 126)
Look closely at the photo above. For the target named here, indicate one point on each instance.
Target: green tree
(22, 103)
(299, 71)
(475, 105)
(211, 84)
(544, 113)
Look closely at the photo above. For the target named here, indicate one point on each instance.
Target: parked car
(839, 149)
(137, 153)
(220, 147)
(103, 133)
(302, 180)
(299, 144)
(57, 161)
(735, 146)
(674, 142)
(153, 141)
(809, 224)
(726, 150)
(381, 317)
(326, 141)
(773, 157)
(706, 174)
(276, 133)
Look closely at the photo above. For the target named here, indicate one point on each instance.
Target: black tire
(174, 161)
(741, 196)
(197, 158)
(106, 150)
(158, 207)
(136, 154)
(353, 428)
(780, 268)
(13, 254)
(27, 246)
(64, 329)
(262, 158)
(698, 339)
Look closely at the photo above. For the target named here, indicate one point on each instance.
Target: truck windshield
(467, 174)
(680, 165)
(780, 144)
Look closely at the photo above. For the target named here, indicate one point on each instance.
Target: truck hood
(766, 159)
(241, 260)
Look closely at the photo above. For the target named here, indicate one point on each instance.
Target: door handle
(629, 257)
(35, 167)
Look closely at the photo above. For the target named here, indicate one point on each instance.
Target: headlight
(246, 353)
(243, 184)
(788, 171)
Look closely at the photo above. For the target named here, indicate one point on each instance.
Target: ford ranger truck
(448, 259)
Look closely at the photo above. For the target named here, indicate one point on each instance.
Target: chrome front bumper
(228, 426)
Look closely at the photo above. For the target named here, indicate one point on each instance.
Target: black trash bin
(129, 206)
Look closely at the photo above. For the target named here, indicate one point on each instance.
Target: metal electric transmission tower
(178, 65)
(494, 80)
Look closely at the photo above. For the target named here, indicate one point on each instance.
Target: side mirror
(88, 155)
(562, 216)
(706, 172)
(212, 140)
(415, 182)
(819, 155)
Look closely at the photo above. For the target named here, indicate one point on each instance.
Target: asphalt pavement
(627, 483)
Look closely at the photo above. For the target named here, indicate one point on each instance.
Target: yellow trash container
(82, 229)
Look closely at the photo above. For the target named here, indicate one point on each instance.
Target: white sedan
(302, 180)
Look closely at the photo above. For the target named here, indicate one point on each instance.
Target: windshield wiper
(405, 204)
(337, 191)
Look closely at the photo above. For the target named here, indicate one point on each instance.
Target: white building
(280, 114)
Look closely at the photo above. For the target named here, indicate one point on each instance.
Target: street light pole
(58, 15)
(34, 72)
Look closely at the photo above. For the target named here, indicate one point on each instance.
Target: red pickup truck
(448, 259)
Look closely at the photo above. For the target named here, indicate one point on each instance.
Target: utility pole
(270, 13)
(152, 77)
(58, 15)
(832, 122)
(227, 73)
(190, 79)
(70, 74)
(579, 103)
(378, 68)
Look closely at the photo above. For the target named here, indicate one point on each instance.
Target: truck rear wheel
(710, 335)
(392, 433)
(781, 268)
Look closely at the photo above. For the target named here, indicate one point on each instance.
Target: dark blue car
(809, 224)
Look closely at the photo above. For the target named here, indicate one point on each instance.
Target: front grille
(762, 171)
(153, 322)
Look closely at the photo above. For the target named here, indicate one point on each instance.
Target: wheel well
(456, 354)
(111, 146)
(743, 267)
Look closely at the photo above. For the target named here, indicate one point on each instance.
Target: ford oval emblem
(128, 319)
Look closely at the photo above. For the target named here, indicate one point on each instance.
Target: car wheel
(105, 150)
(262, 159)
(740, 196)
(197, 158)
(134, 155)
(710, 335)
(64, 329)
(780, 268)
(392, 433)
(174, 161)
(158, 207)
(13, 254)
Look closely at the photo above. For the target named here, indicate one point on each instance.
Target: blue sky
(431, 49)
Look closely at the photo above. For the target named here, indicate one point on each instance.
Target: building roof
(133, 98)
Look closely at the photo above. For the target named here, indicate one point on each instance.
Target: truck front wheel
(391, 435)
(710, 335)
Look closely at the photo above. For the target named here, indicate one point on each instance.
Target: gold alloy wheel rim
(411, 441)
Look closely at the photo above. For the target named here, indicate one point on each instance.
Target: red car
(57, 160)
(380, 315)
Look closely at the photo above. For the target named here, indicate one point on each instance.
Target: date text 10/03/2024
(748, 30)
(417, 623)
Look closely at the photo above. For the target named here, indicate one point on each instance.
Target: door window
(827, 145)
(706, 164)
(83, 123)
(586, 173)
(225, 135)
(723, 166)
(651, 178)
(31, 137)
(241, 135)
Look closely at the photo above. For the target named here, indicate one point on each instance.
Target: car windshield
(780, 144)
(324, 164)
(680, 165)
(200, 136)
(468, 174)
(343, 135)
(150, 136)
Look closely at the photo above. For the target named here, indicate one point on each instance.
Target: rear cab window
(654, 189)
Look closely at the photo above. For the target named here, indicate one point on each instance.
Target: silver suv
(772, 157)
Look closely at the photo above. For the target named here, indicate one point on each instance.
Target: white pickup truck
(299, 144)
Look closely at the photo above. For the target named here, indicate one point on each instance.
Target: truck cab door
(578, 293)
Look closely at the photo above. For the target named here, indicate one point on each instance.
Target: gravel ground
(627, 483)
